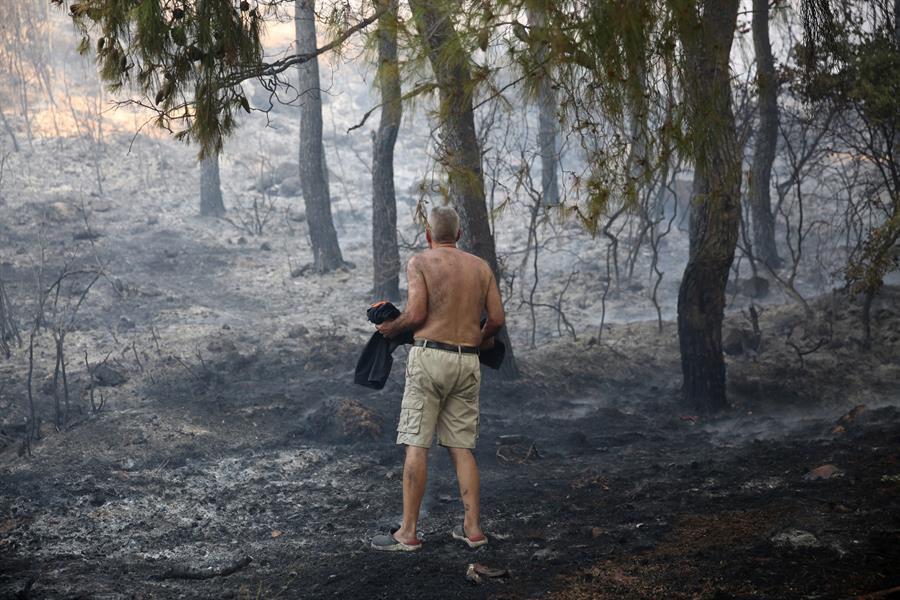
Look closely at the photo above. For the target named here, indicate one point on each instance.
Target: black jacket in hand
(374, 365)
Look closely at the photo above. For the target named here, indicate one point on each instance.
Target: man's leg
(415, 474)
(469, 489)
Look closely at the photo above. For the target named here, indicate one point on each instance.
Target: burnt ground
(602, 488)
(234, 430)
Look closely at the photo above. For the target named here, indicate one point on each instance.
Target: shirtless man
(448, 291)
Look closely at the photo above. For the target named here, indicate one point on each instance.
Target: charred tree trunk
(460, 151)
(548, 124)
(715, 215)
(313, 171)
(211, 204)
(9, 130)
(764, 247)
(8, 329)
(897, 22)
(385, 254)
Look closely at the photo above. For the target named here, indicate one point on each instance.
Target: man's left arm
(416, 304)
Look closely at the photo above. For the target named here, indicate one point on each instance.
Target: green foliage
(181, 54)
(617, 66)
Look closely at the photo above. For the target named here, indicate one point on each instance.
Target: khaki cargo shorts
(441, 394)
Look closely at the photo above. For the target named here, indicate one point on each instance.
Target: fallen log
(190, 573)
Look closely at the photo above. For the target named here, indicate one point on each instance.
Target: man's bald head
(443, 223)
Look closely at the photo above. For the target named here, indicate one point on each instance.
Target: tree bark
(9, 130)
(211, 204)
(764, 247)
(715, 216)
(897, 22)
(385, 254)
(548, 124)
(460, 153)
(313, 171)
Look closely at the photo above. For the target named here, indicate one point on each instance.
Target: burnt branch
(199, 574)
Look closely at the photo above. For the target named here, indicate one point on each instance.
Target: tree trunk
(313, 172)
(715, 216)
(764, 247)
(460, 153)
(9, 130)
(386, 256)
(548, 124)
(211, 204)
(8, 329)
(897, 22)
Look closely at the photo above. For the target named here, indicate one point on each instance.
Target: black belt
(447, 347)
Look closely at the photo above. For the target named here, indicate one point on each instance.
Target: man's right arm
(416, 311)
(494, 307)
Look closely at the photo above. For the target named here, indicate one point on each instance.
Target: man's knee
(460, 453)
(416, 453)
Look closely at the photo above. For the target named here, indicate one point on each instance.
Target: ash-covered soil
(596, 483)
(230, 429)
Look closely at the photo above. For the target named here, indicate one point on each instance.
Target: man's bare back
(457, 285)
(449, 290)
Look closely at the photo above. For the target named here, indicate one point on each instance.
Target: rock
(265, 247)
(239, 359)
(577, 439)
(101, 206)
(290, 187)
(86, 234)
(221, 345)
(125, 323)
(345, 420)
(297, 331)
(47, 385)
(60, 211)
(105, 376)
(823, 472)
(796, 538)
(472, 576)
(265, 182)
(286, 170)
(850, 416)
(545, 554)
(754, 287)
(738, 340)
(486, 571)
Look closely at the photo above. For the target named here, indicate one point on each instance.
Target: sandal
(387, 542)
(472, 542)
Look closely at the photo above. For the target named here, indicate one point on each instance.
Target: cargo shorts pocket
(411, 411)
